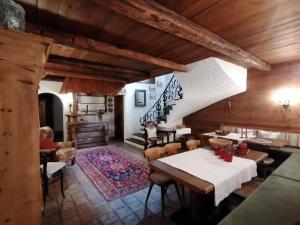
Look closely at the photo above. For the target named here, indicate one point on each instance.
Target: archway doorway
(51, 114)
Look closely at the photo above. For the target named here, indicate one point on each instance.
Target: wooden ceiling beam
(65, 70)
(98, 67)
(89, 44)
(151, 13)
(61, 73)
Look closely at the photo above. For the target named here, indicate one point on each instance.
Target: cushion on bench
(290, 168)
(276, 201)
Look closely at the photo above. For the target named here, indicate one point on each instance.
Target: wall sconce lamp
(287, 97)
(285, 104)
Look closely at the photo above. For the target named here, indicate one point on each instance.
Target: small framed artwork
(140, 98)
(152, 88)
(152, 96)
(159, 84)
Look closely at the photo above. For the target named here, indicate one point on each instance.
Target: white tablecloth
(225, 176)
(231, 136)
(183, 131)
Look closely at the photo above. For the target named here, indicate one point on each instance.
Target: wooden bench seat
(249, 187)
(275, 201)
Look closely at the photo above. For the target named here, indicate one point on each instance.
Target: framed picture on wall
(152, 88)
(140, 98)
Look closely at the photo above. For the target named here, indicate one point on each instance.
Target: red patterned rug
(113, 173)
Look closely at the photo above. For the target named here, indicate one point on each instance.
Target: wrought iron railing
(159, 111)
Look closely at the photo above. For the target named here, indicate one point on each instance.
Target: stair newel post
(158, 111)
(23, 57)
(165, 104)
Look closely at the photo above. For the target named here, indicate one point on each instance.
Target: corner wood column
(22, 58)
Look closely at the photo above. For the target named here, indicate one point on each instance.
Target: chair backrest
(193, 144)
(172, 148)
(154, 153)
(46, 132)
(151, 129)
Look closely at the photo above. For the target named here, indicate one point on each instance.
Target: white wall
(132, 114)
(207, 82)
(54, 87)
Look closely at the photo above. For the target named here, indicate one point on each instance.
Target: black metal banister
(159, 111)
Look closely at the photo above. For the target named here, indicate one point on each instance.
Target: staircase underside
(207, 82)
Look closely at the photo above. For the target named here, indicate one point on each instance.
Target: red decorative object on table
(242, 149)
(228, 157)
(222, 153)
(216, 150)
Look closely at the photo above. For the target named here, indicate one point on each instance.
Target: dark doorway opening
(51, 114)
(119, 117)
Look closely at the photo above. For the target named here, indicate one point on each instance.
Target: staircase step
(136, 141)
(138, 135)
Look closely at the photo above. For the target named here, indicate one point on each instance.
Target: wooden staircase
(137, 140)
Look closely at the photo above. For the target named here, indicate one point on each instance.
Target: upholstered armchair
(64, 151)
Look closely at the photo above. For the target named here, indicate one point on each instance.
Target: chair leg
(62, 184)
(149, 191)
(183, 193)
(178, 193)
(44, 199)
(162, 193)
(45, 192)
(73, 161)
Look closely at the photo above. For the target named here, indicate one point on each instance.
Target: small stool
(267, 170)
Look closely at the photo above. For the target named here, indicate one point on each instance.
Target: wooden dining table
(201, 191)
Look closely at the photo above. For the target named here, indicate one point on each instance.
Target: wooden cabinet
(89, 134)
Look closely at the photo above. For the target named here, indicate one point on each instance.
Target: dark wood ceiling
(268, 29)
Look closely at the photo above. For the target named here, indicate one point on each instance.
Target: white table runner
(231, 136)
(225, 176)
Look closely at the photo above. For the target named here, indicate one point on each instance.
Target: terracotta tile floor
(84, 205)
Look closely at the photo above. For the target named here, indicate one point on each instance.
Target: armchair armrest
(67, 144)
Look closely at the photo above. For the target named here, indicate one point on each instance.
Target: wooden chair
(193, 144)
(151, 135)
(159, 179)
(50, 173)
(65, 151)
(172, 148)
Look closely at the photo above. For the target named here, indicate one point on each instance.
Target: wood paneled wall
(255, 108)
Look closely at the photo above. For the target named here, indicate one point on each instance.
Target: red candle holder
(228, 157)
(216, 150)
(222, 153)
